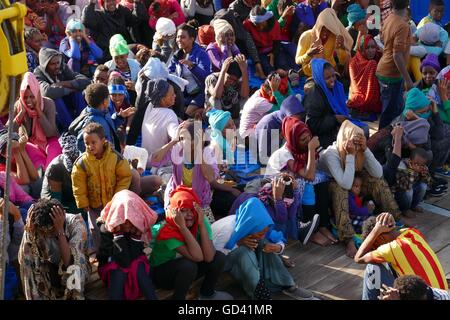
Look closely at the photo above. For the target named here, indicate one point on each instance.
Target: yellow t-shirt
(187, 176)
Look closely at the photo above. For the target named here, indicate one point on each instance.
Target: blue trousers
(374, 276)
(392, 102)
(68, 108)
(411, 198)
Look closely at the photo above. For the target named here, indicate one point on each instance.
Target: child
(97, 97)
(97, 175)
(412, 287)
(358, 212)
(430, 68)
(125, 228)
(436, 12)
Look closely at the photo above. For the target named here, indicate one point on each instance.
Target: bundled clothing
(121, 256)
(104, 24)
(44, 276)
(364, 85)
(43, 145)
(328, 19)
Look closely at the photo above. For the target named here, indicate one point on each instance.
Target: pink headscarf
(38, 136)
(126, 205)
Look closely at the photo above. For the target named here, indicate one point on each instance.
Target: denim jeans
(374, 276)
(411, 198)
(392, 102)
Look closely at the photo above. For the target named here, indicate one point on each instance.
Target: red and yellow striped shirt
(410, 254)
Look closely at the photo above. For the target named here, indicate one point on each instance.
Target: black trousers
(179, 274)
(321, 206)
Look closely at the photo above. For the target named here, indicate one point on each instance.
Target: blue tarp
(419, 9)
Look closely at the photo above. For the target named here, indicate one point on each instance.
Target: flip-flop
(288, 263)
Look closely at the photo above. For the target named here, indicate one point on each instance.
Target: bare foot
(417, 209)
(350, 249)
(327, 233)
(320, 239)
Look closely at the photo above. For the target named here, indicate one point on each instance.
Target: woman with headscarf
(110, 19)
(357, 23)
(222, 128)
(37, 116)
(79, 49)
(186, 232)
(266, 33)
(326, 37)
(156, 120)
(430, 69)
(298, 156)
(164, 38)
(224, 46)
(125, 227)
(253, 252)
(53, 241)
(325, 103)
(57, 183)
(364, 94)
(340, 161)
(267, 99)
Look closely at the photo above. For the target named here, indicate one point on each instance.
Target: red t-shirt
(263, 40)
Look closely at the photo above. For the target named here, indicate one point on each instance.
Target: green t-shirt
(165, 250)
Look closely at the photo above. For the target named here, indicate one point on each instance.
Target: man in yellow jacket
(97, 175)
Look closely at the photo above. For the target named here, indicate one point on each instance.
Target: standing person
(37, 115)
(186, 233)
(125, 225)
(110, 19)
(53, 241)
(98, 175)
(392, 71)
(79, 49)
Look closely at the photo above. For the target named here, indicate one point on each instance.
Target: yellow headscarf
(349, 131)
(328, 18)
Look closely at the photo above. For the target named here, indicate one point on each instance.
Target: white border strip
(434, 209)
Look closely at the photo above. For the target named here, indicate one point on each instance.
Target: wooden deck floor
(327, 271)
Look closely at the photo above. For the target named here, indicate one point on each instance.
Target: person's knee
(188, 268)
(219, 260)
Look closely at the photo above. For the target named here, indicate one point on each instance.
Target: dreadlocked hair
(39, 214)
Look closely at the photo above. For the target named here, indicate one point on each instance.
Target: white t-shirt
(158, 128)
(254, 110)
(278, 161)
(222, 230)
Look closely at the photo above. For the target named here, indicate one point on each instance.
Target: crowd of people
(132, 114)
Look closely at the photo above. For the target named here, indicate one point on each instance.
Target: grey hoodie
(48, 84)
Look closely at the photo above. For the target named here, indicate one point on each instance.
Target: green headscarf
(416, 100)
(118, 46)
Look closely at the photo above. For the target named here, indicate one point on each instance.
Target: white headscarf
(164, 27)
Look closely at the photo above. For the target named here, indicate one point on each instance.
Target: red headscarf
(447, 76)
(292, 129)
(38, 136)
(180, 198)
(206, 34)
(283, 89)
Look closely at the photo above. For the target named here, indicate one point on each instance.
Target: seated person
(191, 63)
(97, 98)
(61, 84)
(125, 227)
(33, 44)
(409, 177)
(164, 38)
(269, 126)
(340, 161)
(405, 250)
(435, 13)
(357, 22)
(228, 89)
(358, 210)
(36, 114)
(364, 94)
(305, 16)
(80, 50)
(101, 74)
(253, 252)
(325, 104)
(53, 241)
(225, 45)
(266, 33)
(170, 9)
(326, 37)
(200, 10)
(186, 233)
(267, 99)
(429, 68)
(57, 183)
(412, 287)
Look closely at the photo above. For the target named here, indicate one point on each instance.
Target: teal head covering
(355, 13)
(416, 100)
(218, 119)
(74, 24)
(118, 45)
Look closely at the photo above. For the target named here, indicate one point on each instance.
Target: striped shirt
(410, 254)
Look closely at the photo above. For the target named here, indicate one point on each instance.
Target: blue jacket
(71, 50)
(202, 65)
(89, 115)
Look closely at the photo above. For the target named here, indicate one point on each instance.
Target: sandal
(288, 263)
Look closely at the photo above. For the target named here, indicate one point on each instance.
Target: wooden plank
(444, 258)
(438, 237)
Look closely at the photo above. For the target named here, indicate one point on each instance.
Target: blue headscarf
(290, 106)
(336, 96)
(252, 217)
(218, 119)
(355, 13)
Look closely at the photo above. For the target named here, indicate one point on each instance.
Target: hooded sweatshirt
(47, 82)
